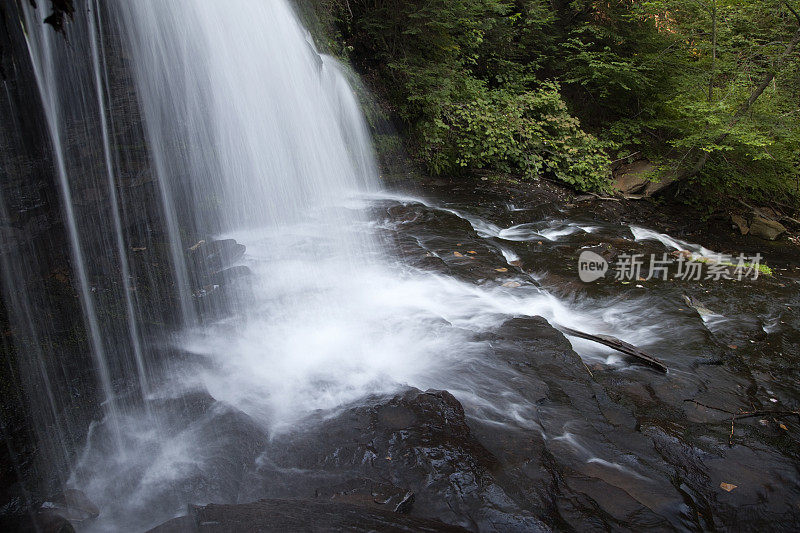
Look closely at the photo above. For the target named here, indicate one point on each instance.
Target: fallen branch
(745, 414)
(618, 345)
(711, 407)
(780, 217)
(604, 198)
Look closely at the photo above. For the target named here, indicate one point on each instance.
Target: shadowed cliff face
(35, 267)
(50, 390)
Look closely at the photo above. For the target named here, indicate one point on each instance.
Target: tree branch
(794, 12)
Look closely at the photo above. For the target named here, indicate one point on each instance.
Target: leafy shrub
(530, 133)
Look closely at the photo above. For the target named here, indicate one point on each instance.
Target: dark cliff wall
(35, 268)
(48, 386)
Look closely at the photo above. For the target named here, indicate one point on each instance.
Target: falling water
(266, 138)
(101, 86)
(43, 59)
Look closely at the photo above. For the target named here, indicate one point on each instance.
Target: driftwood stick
(745, 414)
(604, 198)
(618, 345)
(711, 407)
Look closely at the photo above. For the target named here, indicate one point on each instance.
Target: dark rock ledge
(297, 515)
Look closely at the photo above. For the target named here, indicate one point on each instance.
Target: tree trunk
(713, 49)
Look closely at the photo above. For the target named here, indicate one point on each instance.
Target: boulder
(219, 254)
(654, 187)
(637, 179)
(44, 521)
(416, 440)
(741, 223)
(369, 493)
(201, 452)
(230, 275)
(633, 178)
(765, 229)
(208, 258)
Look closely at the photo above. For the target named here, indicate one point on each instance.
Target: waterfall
(238, 273)
(263, 140)
(243, 112)
(250, 133)
(55, 94)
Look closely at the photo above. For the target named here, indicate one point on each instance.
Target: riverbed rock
(43, 521)
(298, 515)
(230, 275)
(766, 229)
(200, 452)
(417, 440)
(369, 493)
(207, 258)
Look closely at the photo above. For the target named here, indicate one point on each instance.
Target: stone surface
(369, 493)
(417, 440)
(44, 521)
(741, 223)
(633, 178)
(73, 505)
(765, 229)
(207, 259)
(298, 515)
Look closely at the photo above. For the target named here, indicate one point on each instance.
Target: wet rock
(44, 521)
(765, 229)
(579, 466)
(179, 412)
(73, 505)
(297, 515)
(417, 440)
(200, 451)
(208, 258)
(404, 214)
(232, 274)
(702, 470)
(219, 254)
(225, 443)
(369, 493)
(606, 251)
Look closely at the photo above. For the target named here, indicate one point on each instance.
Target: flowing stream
(344, 291)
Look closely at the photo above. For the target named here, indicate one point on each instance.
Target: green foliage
(529, 133)
(535, 87)
(757, 155)
(461, 76)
